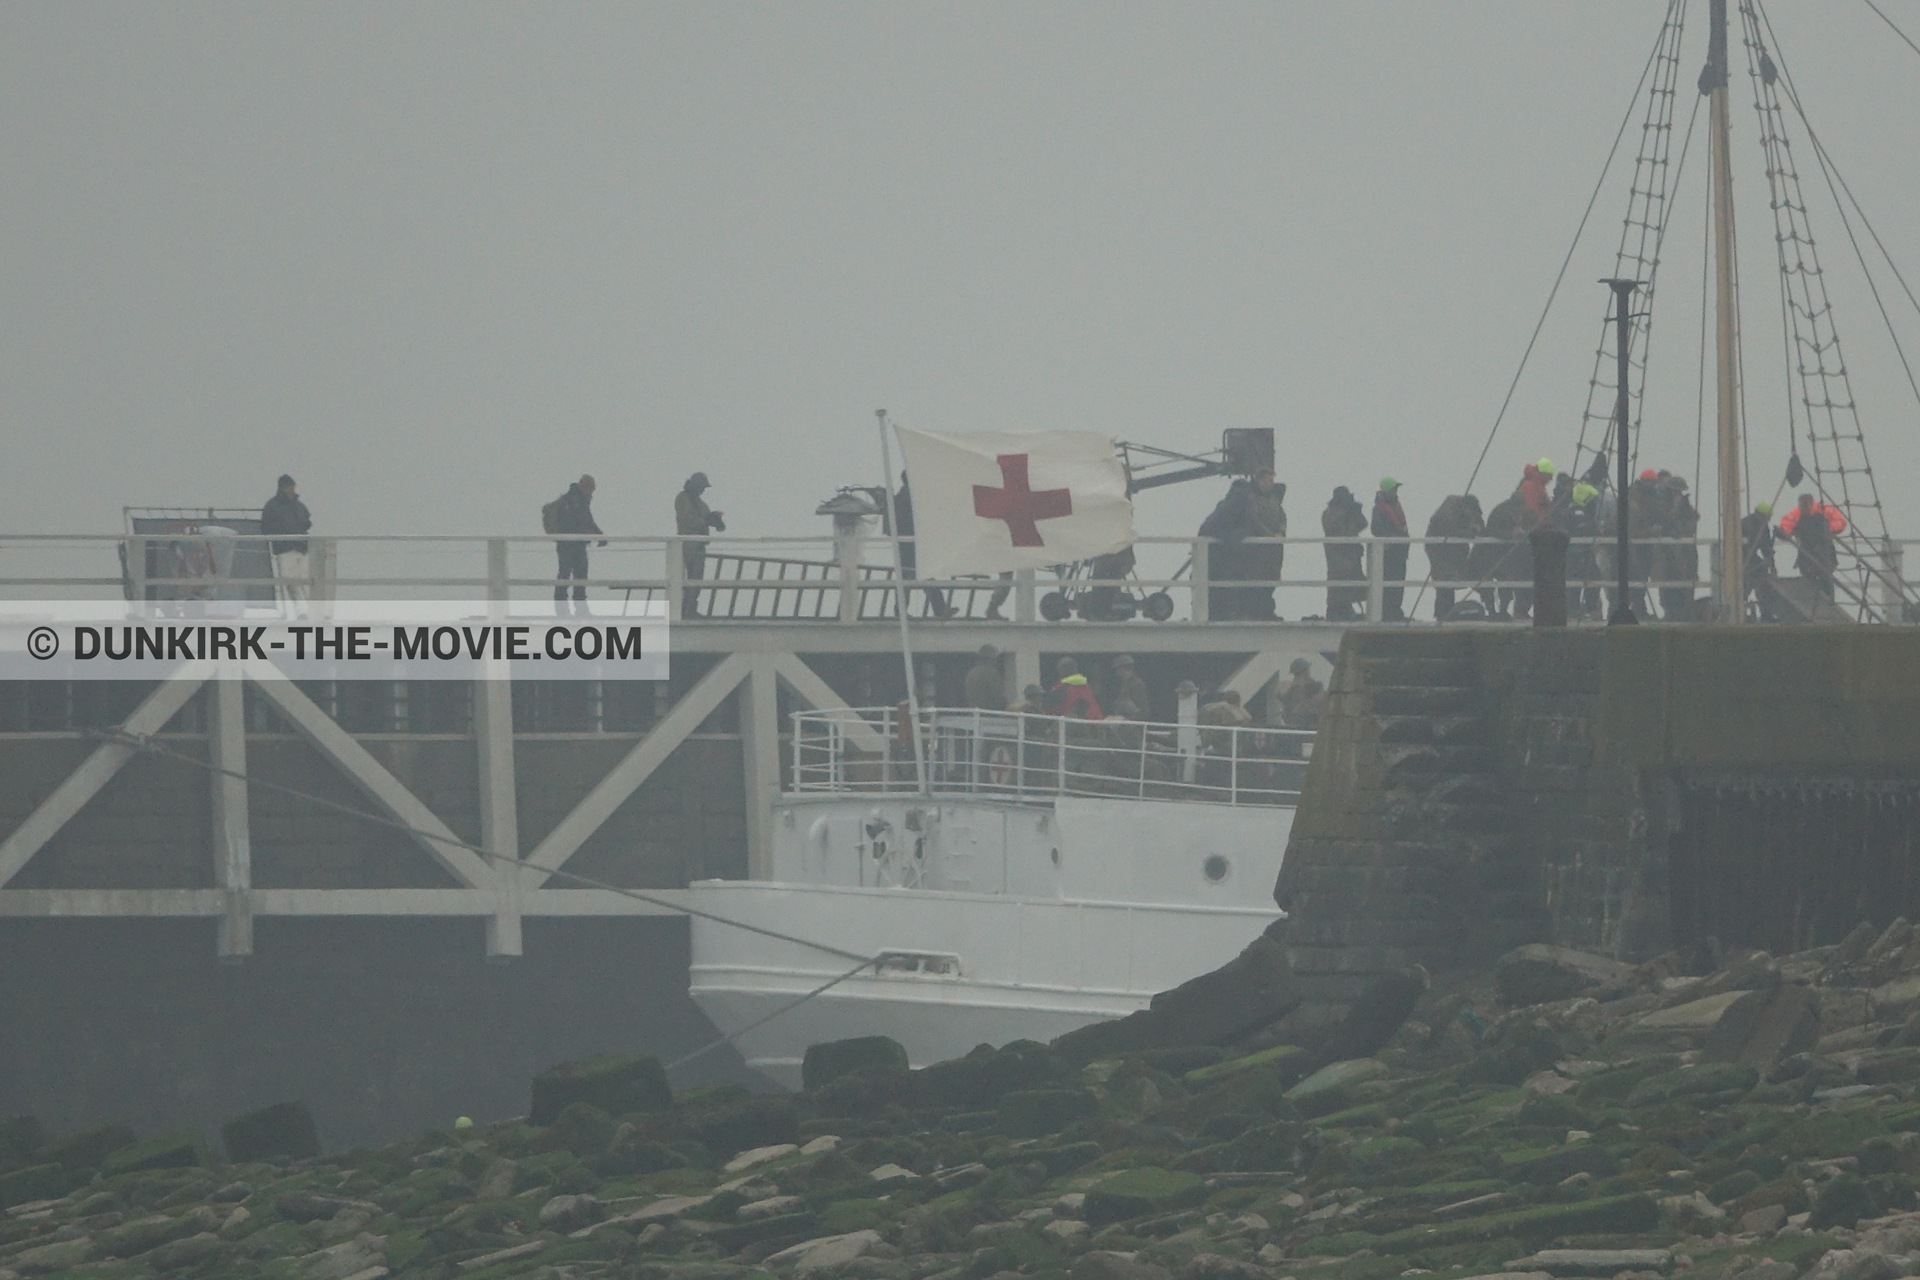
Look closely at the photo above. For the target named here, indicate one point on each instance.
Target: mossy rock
(1063, 1160)
(1631, 1213)
(583, 1129)
(1841, 1203)
(1517, 1050)
(1184, 1059)
(1733, 1186)
(617, 1084)
(176, 1149)
(1553, 1164)
(1218, 1071)
(38, 1182)
(828, 1062)
(741, 1234)
(1830, 1133)
(1268, 1148)
(1378, 1154)
(988, 1074)
(1710, 1085)
(1032, 1113)
(282, 1129)
(87, 1148)
(563, 1171)
(843, 1216)
(1615, 1085)
(1369, 1115)
(1136, 1192)
(757, 1122)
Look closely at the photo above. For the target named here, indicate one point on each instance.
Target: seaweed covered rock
(1248, 992)
(825, 1063)
(1540, 974)
(178, 1149)
(616, 1083)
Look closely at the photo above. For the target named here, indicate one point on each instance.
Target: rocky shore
(1729, 1115)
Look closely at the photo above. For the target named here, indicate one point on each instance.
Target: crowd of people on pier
(1480, 562)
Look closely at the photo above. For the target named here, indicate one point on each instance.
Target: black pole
(1623, 293)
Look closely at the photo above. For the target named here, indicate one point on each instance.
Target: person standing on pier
(284, 513)
(1266, 518)
(693, 520)
(1455, 523)
(1344, 518)
(571, 512)
(1390, 522)
(1813, 526)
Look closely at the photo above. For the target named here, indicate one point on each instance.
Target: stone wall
(1475, 788)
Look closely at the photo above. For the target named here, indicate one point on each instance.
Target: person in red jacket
(1533, 487)
(1813, 526)
(1071, 695)
(1390, 522)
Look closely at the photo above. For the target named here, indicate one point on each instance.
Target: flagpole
(900, 607)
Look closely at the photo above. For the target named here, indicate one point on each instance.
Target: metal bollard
(1549, 576)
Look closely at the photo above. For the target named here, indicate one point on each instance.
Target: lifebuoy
(1000, 766)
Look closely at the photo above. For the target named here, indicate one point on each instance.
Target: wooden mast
(1713, 81)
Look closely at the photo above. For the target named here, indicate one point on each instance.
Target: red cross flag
(992, 501)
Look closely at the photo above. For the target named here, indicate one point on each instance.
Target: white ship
(1047, 873)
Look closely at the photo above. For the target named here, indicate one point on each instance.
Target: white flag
(993, 500)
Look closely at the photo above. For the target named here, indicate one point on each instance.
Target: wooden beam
(371, 777)
(819, 695)
(98, 769)
(232, 833)
(635, 768)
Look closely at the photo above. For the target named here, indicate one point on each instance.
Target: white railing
(1016, 756)
(853, 580)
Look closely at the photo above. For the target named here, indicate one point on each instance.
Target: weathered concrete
(1473, 789)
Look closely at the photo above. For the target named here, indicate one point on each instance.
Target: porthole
(1215, 868)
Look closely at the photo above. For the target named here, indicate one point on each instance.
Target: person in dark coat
(693, 520)
(1677, 562)
(1455, 523)
(284, 513)
(1266, 517)
(1344, 517)
(1390, 522)
(1505, 556)
(573, 513)
(1226, 557)
(909, 559)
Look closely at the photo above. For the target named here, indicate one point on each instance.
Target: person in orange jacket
(1813, 526)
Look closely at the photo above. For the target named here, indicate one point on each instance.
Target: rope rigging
(1836, 442)
(1561, 275)
(1642, 234)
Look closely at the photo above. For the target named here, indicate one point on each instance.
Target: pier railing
(852, 580)
(1020, 756)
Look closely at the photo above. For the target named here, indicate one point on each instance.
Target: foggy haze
(437, 260)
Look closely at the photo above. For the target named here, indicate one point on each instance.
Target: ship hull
(961, 968)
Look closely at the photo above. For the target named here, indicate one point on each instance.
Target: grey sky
(438, 259)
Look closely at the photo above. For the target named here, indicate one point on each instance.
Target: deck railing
(1019, 756)
(854, 580)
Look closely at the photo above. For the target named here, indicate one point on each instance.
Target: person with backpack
(571, 512)
(693, 520)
